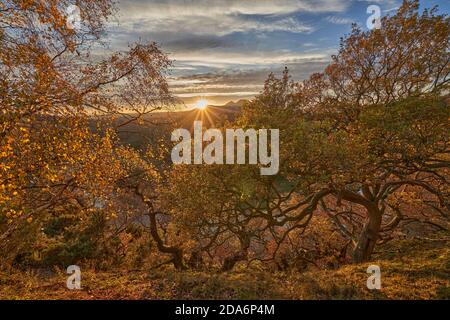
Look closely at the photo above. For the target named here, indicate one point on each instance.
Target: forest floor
(410, 269)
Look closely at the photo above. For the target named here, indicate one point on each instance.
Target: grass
(413, 269)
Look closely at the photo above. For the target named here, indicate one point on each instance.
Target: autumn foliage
(364, 150)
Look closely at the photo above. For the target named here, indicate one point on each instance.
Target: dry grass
(410, 270)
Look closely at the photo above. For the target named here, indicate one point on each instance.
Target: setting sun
(201, 104)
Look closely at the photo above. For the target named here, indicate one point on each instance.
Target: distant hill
(212, 116)
(233, 104)
(160, 124)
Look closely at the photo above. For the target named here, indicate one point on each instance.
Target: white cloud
(204, 36)
(222, 59)
(201, 25)
(217, 94)
(136, 9)
(220, 17)
(388, 5)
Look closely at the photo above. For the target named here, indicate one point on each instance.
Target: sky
(223, 50)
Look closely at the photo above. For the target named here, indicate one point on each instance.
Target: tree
(379, 114)
(59, 101)
(364, 143)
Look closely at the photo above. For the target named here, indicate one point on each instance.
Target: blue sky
(224, 49)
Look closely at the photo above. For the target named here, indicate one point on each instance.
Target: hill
(160, 124)
(236, 104)
(410, 269)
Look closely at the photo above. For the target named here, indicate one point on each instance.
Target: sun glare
(201, 104)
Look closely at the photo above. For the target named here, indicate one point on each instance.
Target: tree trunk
(230, 262)
(241, 255)
(177, 253)
(368, 237)
(195, 261)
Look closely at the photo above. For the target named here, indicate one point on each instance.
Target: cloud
(250, 80)
(199, 25)
(390, 4)
(218, 94)
(226, 48)
(230, 85)
(224, 59)
(221, 17)
(212, 8)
